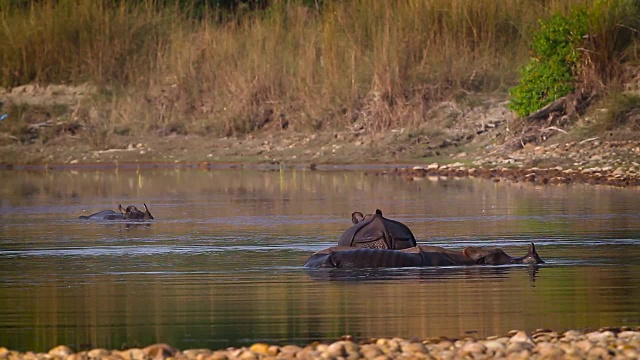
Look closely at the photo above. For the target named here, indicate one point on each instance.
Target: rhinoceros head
(499, 257)
(377, 232)
(132, 213)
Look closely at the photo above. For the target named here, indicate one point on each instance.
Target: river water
(221, 264)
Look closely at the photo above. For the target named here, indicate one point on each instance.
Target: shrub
(584, 49)
(550, 74)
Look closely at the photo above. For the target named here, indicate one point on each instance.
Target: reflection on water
(221, 264)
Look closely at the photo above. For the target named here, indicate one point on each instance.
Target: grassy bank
(160, 70)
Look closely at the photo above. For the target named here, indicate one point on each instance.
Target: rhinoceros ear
(356, 217)
(121, 209)
(378, 212)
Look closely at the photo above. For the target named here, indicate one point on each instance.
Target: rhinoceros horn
(147, 213)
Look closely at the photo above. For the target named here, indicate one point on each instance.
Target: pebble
(60, 351)
(521, 336)
(606, 343)
(261, 348)
(97, 353)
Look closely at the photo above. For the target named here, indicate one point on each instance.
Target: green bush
(550, 74)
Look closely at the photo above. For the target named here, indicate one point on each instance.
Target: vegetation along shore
(320, 82)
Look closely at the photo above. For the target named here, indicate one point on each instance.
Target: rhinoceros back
(401, 236)
(377, 232)
(103, 215)
(364, 258)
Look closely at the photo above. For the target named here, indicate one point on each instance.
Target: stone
(218, 355)
(419, 171)
(521, 336)
(290, 348)
(260, 348)
(191, 353)
(519, 346)
(350, 347)
(60, 351)
(494, 346)
(474, 348)
(619, 171)
(159, 351)
(393, 345)
(413, 347)
(382, 357)
(248, 355)
(136, 354)
(571, 335)
(97, 353)
(370, 351)
(628, 334)
(598, 352)
(112, 356)
(631, 353)
(77, 356)
(583, 345)
(549, 351)
(597, 336)
(336, 349)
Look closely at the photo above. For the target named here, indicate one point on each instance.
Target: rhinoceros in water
(129, 213)
(418, 256)
(374, 231)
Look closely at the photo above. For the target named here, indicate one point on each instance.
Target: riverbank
(482, 138)
(605, 343)
(557, 161)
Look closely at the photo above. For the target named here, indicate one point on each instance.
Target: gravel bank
(608, 175)
(595, 162)
(590, 161)
(606, 343)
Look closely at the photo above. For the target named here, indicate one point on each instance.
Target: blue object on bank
(3, 116)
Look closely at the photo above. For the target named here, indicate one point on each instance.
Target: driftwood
(38, 126)
(59, 127)
(557, 106)
(571, 105)
(540, 125)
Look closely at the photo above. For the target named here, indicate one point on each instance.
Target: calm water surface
(221, 264)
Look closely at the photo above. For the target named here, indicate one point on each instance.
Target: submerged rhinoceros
(374, 231)
(129, 213)
(418, 256)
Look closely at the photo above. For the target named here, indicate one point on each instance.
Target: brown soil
(480, 132)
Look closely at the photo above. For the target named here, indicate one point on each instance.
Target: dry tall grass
(381, 64)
